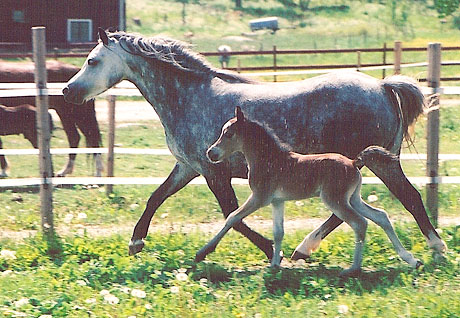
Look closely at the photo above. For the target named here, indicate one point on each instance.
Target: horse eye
(92, 62)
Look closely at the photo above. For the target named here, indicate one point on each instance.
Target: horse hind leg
(341, 207)
(380, 218)
(312, 241)
(278, 231)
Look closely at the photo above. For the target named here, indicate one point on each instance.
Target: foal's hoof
(135, 246)
(418, 264)
(298, 255)
(351, 272)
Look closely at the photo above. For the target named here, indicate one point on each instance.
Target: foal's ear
(103, 36)
(239, 114)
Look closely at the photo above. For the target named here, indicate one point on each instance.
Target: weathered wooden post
(274, 62)
(111, 142)
(43, 129)
(433, 79)
(358, 62)
(397, 57)
(384, 59)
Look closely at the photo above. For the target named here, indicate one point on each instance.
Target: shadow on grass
(311, 280)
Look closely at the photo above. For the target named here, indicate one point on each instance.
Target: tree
(446, 7)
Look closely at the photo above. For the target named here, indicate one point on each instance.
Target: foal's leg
(179, 177)
(251, 205)
(220, 185)
(3, 163)
(339, 204)
(278, 231)
(380, 218)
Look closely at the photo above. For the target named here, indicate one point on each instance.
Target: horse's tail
(407, 98)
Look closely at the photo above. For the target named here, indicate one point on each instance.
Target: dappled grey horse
(193, 100)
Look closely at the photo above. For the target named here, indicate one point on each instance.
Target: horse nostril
(65, 91)
(212, 155)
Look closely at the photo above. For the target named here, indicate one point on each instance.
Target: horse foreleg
(179, 177)
(312, 241)
(3, 163)
(68, 123)
(220, 185)
(251, 205)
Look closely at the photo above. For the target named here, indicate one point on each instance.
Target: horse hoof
(199, 257)
(418, 264)
(135, 246)
(298, 255)
(350, 273)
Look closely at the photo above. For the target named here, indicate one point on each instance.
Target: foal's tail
(377, 159)
(407, 98)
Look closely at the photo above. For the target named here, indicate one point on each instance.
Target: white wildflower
(80, 282)
(372, 198)
(7, 254)
(82, 216)
(104, 292)
(164, 215)
(21, 302)
(181, 276)
(131, 316)
(7, 272)
(258, 315)
(343, 309)
(45, 316)
(174, 289)
(299, 203)
(91, 301)
(111, 299)
(148, 306)
(133, 206)
(138, 293)
(125, 290)
(68, 218)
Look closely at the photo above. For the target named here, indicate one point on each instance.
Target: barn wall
(53, 14)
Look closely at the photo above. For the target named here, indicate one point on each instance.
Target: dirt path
(163, 226)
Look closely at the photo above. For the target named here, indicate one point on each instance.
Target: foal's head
(229, 140)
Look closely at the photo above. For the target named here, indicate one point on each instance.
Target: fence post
(43, 129)
(397, 58)
(433, 78)
(384, 61)
(358, 62)
(274, 62)
(111, 142)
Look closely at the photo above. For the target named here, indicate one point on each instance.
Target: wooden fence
(434, 65)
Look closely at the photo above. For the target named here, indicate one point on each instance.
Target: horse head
(102, 69)
(228, 141)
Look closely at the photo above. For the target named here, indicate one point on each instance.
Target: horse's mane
(175, 53)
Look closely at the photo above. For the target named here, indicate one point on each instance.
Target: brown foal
(277, 174)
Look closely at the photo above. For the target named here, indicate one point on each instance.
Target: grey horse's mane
(175, 53)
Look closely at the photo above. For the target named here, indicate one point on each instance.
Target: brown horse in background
(18, 120)
(82, 117)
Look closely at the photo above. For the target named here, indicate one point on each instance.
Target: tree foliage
(446, 7)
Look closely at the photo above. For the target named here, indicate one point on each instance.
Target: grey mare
(193, 100)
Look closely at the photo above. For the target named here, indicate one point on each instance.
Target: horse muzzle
(214, 155)
(71, 96)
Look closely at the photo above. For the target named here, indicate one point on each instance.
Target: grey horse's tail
(408, 99)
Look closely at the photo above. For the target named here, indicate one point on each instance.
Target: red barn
(66, 22)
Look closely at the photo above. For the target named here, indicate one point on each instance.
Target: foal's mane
(175, 53)
(259, 130)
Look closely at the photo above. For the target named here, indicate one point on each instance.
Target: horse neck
(260, 149)
(165, 88)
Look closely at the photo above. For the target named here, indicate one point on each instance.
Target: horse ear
(103, 36)
(239, 114)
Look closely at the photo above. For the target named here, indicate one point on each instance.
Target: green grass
(233, 282)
